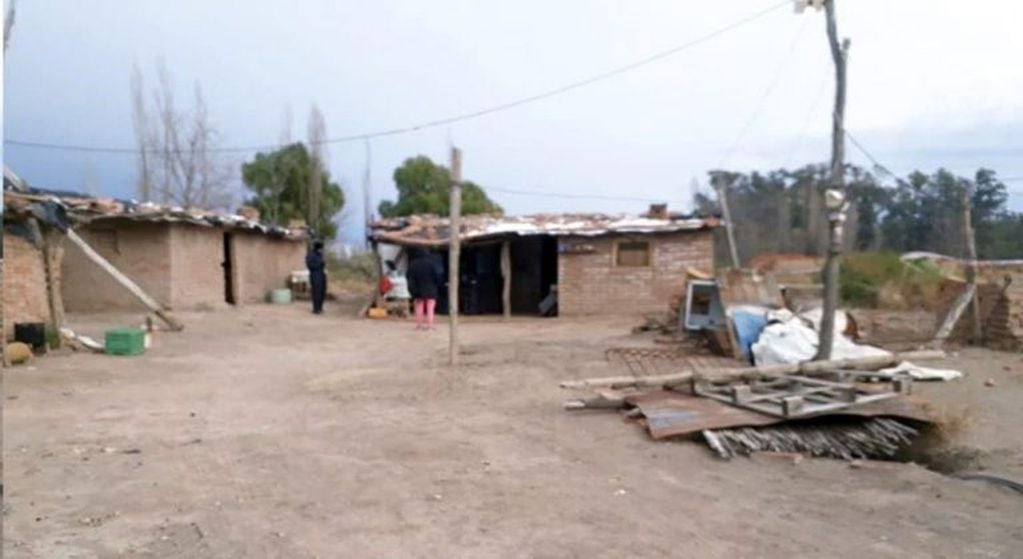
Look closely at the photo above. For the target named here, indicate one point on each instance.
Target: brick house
(186, 260)
(596, 264)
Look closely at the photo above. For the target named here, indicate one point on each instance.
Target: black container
(31, 333)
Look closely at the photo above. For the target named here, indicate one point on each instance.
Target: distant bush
(882, 279)
(360, 267)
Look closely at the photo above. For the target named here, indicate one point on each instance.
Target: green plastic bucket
(280, 296)
(125, 341)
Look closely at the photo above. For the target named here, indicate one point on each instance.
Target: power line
(877, 165)
(775, 79)
(885, 170)
(798, 143)
(457, 118)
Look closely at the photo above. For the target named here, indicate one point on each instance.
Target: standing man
(317, 276)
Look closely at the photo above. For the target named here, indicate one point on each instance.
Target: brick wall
(1001, 306)
(142, 251)
(263, 263)
(24, 281)
(590, 283)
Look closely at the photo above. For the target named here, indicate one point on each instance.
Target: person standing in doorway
(317, 276)
(424, 285)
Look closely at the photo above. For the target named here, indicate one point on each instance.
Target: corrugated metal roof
(86, 209)
(434, 230)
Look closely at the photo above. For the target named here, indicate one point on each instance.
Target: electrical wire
(775, 79)
(798, 143)
(873, 160)
(457, 118)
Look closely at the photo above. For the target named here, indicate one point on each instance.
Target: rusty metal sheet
(669, 413)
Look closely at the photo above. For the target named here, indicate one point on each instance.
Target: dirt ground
(268, 432)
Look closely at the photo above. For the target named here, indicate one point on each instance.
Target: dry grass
(951, 420)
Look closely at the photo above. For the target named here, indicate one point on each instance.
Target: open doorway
(228, 266)
(534, 272)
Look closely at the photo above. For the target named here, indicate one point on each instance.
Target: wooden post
(506, 271)
(971, 266)
(52, 290)
(839, 53)
(722, 191)
(125, 281)
(454, 252)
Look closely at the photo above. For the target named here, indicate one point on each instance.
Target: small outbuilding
(184, 259)
(184, 262)
(586, 264)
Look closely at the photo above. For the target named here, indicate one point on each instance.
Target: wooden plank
(955, 313)
(725, 374)
(125, 281)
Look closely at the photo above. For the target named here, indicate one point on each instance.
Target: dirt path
(267, 432)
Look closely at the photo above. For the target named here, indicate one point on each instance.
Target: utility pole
(835, 202)
(454, 252)
(719, 181)
(971, 265)
(367, 186)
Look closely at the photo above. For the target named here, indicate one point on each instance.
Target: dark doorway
(479, 285)
(534, 264)
(228, 267)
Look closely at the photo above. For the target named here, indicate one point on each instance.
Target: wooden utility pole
(367, 186)
(835, 197)
(721, 188)
(971, 266)
(454, 252)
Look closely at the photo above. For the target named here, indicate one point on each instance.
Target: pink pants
(424, 309)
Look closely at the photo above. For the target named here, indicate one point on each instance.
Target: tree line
(774, 211)
(783, 211)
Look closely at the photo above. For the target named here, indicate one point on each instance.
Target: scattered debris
(792, 396)
(808, 368)
(77, 341)
(794, 457)
(870, 438)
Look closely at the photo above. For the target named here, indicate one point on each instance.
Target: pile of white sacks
(790, 338)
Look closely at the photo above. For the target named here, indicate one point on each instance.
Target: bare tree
(143, 136)
(317, 131)
(178, 163)
(9, 24)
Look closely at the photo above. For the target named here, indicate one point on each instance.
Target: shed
(185, 259)
(594, 263)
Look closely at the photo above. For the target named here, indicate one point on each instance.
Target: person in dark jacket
(317, 276)
(424, 285)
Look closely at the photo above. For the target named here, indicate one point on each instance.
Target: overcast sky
(932, 83)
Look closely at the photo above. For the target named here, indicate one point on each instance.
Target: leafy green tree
(280, 181)
(424, 187)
